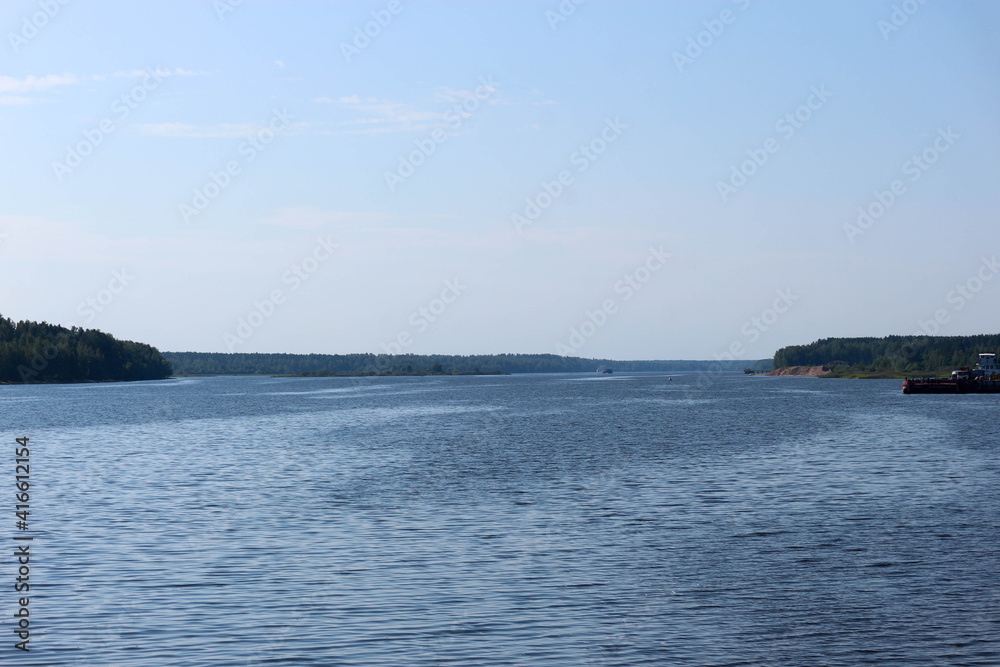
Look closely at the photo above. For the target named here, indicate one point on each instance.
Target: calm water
(520, 520)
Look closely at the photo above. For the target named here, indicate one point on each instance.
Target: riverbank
(847, 373)
(423, 373)
(800, 371)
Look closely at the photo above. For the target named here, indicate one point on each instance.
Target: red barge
(983, 379)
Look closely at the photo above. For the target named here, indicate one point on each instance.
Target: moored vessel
(983, 379)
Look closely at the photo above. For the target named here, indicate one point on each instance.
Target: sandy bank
(800, 371)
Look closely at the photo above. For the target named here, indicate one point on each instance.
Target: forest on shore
(40, 352)
(890, 356)
(212, 363)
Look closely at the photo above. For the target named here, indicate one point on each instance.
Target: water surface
(521, 520)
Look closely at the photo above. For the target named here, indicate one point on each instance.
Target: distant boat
(604, 370)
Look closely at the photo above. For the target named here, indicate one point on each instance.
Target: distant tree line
(42, 352)
(891, 353)
(218, 363)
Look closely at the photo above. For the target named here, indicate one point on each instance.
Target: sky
(624, 180)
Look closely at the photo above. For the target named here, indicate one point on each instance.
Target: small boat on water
(983, 379)
(604, 370)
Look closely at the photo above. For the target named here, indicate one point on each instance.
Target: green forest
(891, 355)
(41, 352)
(208, 363)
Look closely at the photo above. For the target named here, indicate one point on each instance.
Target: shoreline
(12, 383)
(846, 374)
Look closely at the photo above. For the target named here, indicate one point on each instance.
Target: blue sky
(172, 168)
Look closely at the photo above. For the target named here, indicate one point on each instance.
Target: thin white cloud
(370, 233)
(374, 115)
(131, 74)
(383, 116)
(187, 131)
(311, 217)
(41, 240)
(36, 84)
(9, 84)
(219, 131)
(451, 95)
(159, 71)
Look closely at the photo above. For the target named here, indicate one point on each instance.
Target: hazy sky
(485, 177)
